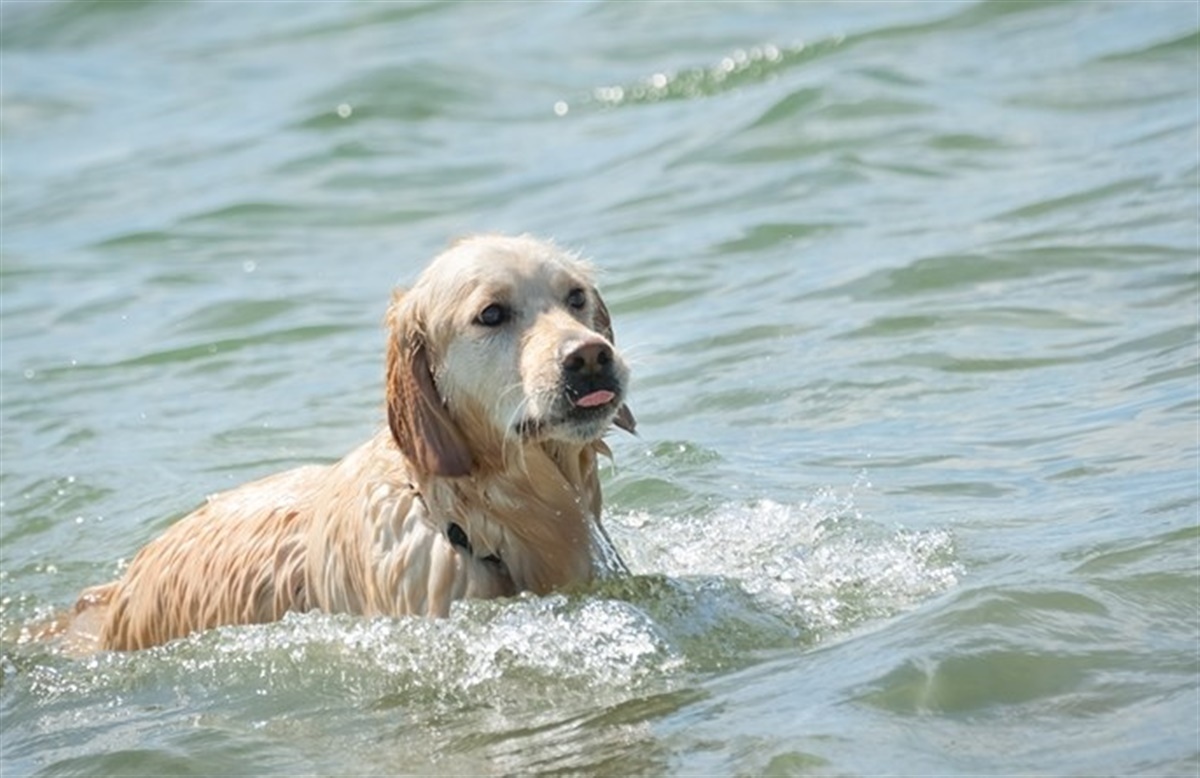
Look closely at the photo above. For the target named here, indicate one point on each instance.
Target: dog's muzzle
(588, 396)
(590, 382)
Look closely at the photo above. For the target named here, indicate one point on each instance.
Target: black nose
(591, 358)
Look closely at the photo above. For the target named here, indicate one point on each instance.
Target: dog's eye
(577, 298)
(494, 315)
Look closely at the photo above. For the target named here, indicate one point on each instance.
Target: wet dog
(502, 378)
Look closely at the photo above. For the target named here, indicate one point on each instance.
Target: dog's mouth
(596, 399)
(583, 401)
(575, 413)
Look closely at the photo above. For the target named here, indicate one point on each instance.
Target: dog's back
(238, 559)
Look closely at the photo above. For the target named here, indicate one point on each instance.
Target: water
(910, 292)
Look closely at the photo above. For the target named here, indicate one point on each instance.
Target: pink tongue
(598, 397)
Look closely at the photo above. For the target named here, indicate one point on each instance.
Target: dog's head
(501, 339)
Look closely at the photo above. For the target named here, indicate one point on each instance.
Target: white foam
(819, 563)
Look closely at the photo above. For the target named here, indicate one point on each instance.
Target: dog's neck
(539, 513)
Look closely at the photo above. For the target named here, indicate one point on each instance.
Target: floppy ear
(418, 417)
(624, 418)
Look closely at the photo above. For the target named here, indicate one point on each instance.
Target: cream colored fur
(481, 434)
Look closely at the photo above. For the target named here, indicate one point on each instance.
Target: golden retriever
(501, 379)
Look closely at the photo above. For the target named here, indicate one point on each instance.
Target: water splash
(707, 592)
(556, 645)
(818, 564)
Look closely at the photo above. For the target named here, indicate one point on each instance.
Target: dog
(501, 379)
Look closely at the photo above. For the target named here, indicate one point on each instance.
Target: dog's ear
(603, 321)
(417, 415)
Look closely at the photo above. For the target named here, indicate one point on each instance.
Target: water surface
(910, 293)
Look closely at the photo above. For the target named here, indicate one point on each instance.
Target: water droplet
(344, 110)
(249, 266)
(561, 108)
(610, 94)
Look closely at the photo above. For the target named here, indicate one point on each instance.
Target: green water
(910, 292)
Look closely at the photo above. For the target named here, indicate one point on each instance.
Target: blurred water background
(910, 291)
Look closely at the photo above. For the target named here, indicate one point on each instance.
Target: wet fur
(368, 534)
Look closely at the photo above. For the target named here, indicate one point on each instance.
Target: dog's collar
(458, 537)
